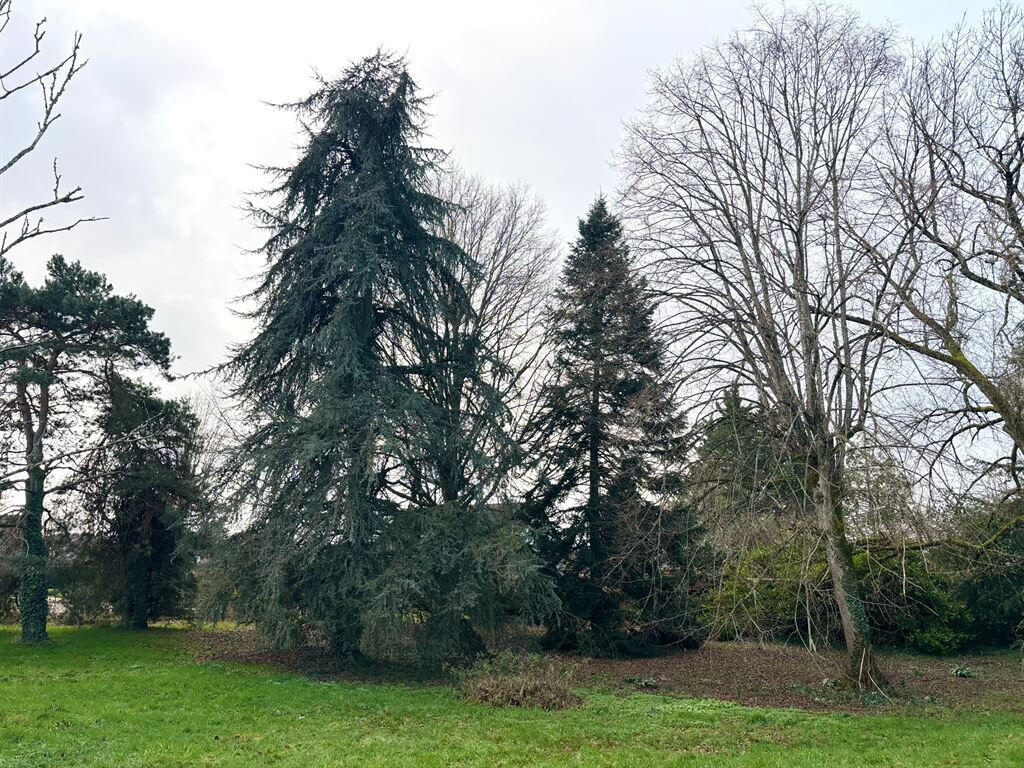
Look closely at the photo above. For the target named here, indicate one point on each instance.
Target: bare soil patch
(791, 676)
(747, 673)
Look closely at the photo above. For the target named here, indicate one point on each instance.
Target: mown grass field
(106, 697)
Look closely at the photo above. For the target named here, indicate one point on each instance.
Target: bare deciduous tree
(504, 232)
(473, 364)
(947, 236)
(19, 77)
(738, 179)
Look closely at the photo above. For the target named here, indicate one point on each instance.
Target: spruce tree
(612, 531)
(333, 383)
(743, 466)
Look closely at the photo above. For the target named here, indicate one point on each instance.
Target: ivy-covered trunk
(826, 497)
(32, 602)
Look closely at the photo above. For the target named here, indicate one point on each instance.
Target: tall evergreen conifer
(141, 490)
(613, 534)
(743, 464)
(333, 382)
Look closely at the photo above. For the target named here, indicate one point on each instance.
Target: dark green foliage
(743, 468)
(993, 574)
(227, 584)
(459, 572)
(59, 340)
(913, 602)
(661, 568)
(996, 600)
(611, 533)
(346, 538)
(141, 496)
(920, 602)
(78, 308)
(966, 594)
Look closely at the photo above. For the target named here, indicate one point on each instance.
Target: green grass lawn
(104, 697)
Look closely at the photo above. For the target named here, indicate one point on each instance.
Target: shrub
(520, 680)
(997, 602)
(774, 594)
(784, 594)
(994, 585)
(914, 603)
(938, 640)
(642, 681)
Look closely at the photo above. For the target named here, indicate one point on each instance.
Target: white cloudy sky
(162, 125)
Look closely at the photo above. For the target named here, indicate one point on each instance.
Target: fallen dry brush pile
(510, 679)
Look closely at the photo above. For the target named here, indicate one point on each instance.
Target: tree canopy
(355, 382)
(60, 340)
(612, 443)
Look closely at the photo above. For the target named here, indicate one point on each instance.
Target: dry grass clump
(510, 679)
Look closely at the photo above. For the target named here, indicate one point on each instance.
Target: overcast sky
(161, 126)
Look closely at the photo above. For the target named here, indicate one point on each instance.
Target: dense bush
(914, 602)
(656, 586)
(996, 597)
(510, 679)
(777, 595)
(994, 584)
(929, 603)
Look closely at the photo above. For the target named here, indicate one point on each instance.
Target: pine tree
(333, 382)
(59, 340)
(611, 436)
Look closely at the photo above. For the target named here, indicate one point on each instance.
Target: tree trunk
(856, 631)
(345, 625)
(32, 603)
(601, 614)
(594, 479)
(138, 589)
